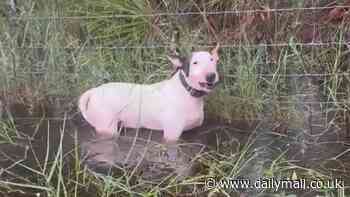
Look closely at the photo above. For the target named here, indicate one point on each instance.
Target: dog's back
(135, 105)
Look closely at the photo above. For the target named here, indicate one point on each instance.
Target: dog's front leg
(171, 147)
(172, 133)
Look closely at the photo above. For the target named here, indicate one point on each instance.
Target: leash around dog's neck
(193, 92)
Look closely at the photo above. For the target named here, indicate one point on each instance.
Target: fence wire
(310, 44)
(226, 12)
(227, 75)
(227, 46)
(305, 103)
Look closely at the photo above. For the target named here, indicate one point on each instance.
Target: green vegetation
(7, 131)
(61, 171)
(50, 54)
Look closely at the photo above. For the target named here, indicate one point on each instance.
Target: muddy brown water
(327, 151)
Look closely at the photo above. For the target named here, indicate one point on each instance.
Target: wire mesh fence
(206, 13)
(301, 57)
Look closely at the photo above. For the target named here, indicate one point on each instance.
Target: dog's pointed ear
(215, 52)
(176, 61)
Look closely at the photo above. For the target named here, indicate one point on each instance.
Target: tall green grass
(62, 56)
(61, 172)
(8, 131)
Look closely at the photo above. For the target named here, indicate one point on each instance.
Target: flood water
(40, 134)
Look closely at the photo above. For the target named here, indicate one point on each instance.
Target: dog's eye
(195, 63)
(211, 59)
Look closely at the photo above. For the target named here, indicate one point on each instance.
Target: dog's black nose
(210, 77)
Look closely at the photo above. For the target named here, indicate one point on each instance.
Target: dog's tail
(83, 103)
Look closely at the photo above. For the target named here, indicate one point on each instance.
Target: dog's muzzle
(208, 86)
(193, 91)
(210, 81)
(210, 77)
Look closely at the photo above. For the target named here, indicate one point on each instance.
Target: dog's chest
(194, 116)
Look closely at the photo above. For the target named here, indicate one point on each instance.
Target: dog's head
(199, 69)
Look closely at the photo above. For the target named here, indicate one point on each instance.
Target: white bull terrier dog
(172, 105)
